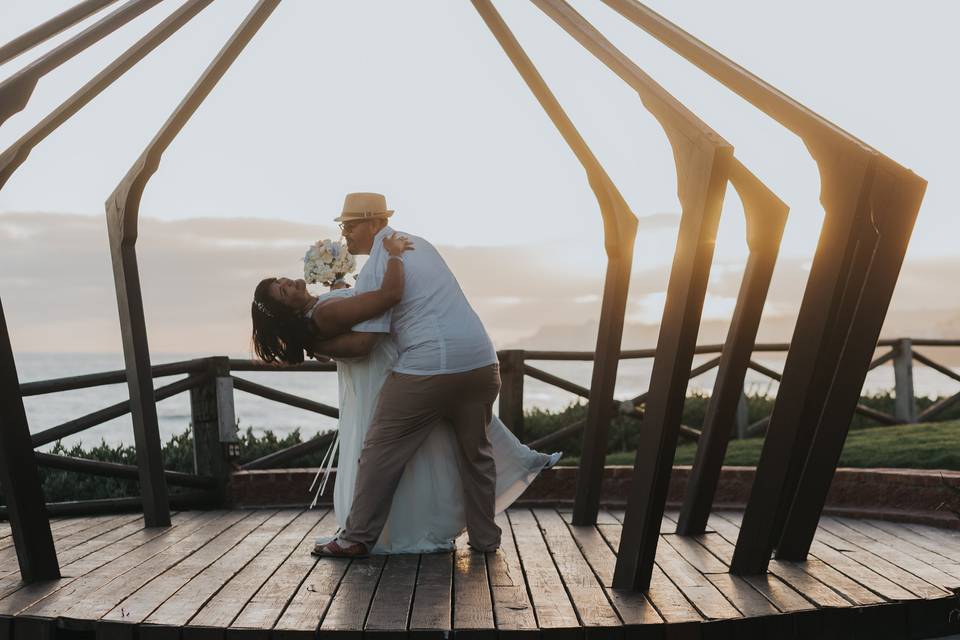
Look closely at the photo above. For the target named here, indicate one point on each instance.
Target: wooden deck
(249, 574)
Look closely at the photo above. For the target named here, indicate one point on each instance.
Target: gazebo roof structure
(870, 201)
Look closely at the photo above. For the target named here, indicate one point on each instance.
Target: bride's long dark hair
(280, 335)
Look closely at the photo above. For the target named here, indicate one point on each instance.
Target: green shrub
(934, 445)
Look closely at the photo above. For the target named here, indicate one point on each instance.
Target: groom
(447, 370)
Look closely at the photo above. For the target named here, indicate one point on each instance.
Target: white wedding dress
(427, 510)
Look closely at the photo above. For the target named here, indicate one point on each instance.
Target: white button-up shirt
(436, 329)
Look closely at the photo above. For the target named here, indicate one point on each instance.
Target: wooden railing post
(213, 423)
(905, 402)
(511, 390)
(742, 417)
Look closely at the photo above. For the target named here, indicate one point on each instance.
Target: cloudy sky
(417, 100)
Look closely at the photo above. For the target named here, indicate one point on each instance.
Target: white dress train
(427, 510)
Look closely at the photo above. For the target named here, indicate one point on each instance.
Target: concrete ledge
(913, 495)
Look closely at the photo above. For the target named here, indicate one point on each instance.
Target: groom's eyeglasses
(352, 224)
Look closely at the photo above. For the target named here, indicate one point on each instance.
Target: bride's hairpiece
(263, 309)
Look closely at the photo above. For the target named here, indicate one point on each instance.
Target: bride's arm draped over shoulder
(353, 344)
(337, 316)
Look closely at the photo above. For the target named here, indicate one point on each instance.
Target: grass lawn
(934, 445)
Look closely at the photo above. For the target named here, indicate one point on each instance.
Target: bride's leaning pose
(427, 511)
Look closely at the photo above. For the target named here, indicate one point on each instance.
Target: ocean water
(50, 410)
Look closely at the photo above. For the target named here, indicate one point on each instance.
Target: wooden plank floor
(249, 574)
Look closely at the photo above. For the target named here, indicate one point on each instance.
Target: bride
(427, 513)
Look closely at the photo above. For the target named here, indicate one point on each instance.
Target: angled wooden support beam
(17, 153)
(19, 478)
(936, 366)
(122, 209)
(700, 369)
(42, 32)
(620, 229)
(895, 202)
(703, 161)
(16, 90)
(822, 324)
(885, 358)
(766, 217)
(848, 169)
(938, 407)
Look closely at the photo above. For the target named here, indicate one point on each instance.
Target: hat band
(365, 214)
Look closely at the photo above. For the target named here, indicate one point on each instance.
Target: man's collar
(378, 239)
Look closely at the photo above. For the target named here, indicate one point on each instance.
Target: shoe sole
(338, 555)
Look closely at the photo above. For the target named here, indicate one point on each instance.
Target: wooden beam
(17, 153)
(847, 167)
(815, 352)
(117, 470)
(100, 416)
(122, 209)
(16, 90)
(938, 407)
(270, 460)
(703, 162)
(790, 113)
(620, 228)
(69, 383)
(42, 32)
(19, 478)
(290, 399)
(766, 217)
(512, 373)
(880, 360)
(936, 366)
(895, 202)
(212, 420)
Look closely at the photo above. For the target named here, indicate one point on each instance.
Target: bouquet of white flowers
(326, 262)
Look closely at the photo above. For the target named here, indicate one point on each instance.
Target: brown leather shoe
(333, 549)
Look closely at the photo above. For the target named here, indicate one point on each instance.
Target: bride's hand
(339, 284)
(396, 245)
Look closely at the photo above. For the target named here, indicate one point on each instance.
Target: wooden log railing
(214, 425)
(198, 376)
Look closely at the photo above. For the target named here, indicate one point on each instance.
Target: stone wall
(899, 494)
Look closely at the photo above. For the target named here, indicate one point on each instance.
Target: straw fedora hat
(362, 206)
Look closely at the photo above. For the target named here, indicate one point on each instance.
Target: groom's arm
(371, 278)
(352, 344)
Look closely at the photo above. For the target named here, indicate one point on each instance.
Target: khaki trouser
(408, 409)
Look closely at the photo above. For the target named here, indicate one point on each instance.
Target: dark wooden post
(19, 479)
(136, 355)
(214, 425)
(620, 230)
(123, 210)
(895, 200)
(511, 390)
(766, 217)
(742, 417)
(847, 168)
(905, 402)
(703, 166)
(815, 348)
(601, 408)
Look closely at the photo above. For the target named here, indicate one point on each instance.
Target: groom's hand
(397, 245)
